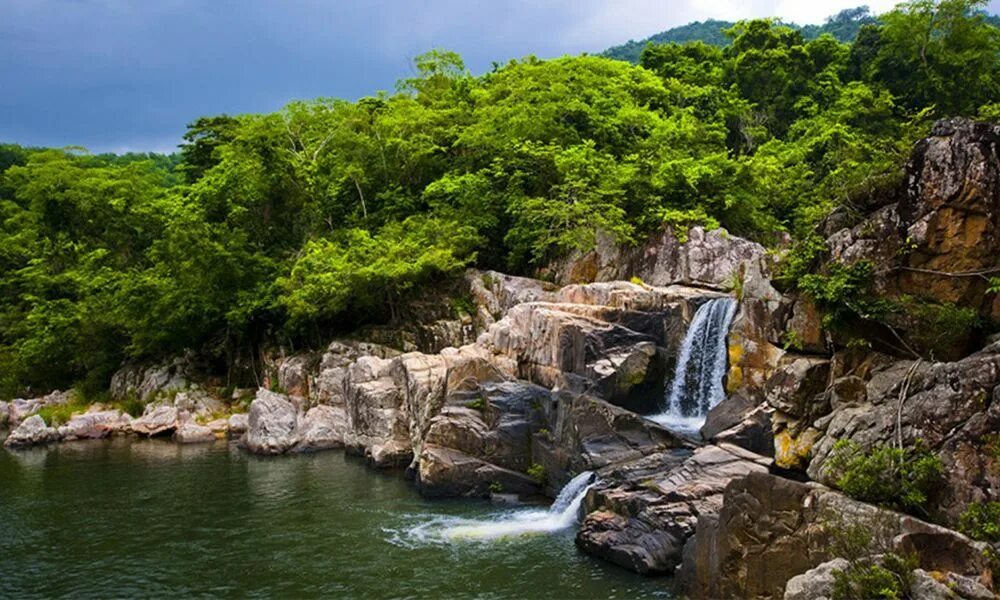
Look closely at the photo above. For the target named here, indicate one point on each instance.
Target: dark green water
(152, 519)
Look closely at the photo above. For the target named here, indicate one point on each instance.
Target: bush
(60, 414)
(536, 472)
(874, 569)
(901, 479)
(981, 521)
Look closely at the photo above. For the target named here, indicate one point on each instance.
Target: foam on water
(563, 514)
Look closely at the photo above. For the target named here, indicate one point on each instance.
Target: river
(126, 518)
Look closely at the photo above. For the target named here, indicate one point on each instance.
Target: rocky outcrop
(32, 431)
(769, 530)
(816, 583)
(149, 381)
(952, 408)
(642, 512)
(321, 428)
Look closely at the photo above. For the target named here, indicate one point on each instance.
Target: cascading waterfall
(697, 384)
(563, 513)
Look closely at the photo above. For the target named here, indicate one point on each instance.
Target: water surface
(152, 518)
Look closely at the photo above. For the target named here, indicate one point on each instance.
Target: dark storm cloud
(120, 75)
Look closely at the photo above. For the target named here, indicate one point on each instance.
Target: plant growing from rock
(874, 569)
(536, 472)
(897, 478)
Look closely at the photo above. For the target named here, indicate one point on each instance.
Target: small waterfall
(562, 514)
(697, 384)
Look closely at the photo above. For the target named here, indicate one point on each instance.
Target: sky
(128, 75)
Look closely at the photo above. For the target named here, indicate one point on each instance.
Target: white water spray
(697, 384)
(563, 514)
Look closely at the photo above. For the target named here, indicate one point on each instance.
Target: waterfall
(562, 514)
(697, 384)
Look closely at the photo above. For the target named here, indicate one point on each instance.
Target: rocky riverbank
(533, 382)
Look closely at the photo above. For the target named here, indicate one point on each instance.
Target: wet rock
(448, 472)
(271, 424)
(157, 420)
(731, 411)
(641, 512)
(192, 433)
(32, 431)
(816, 583)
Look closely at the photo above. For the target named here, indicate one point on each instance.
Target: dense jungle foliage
(327, 214)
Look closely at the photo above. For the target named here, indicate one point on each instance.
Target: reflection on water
(152, 518)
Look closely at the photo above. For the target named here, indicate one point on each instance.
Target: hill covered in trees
(843, 26)
(328, 214)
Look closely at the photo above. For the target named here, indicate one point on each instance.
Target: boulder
(448, 472)
(30, 432)
(797, 387)
(239, 423)
(816, 583)
(95, 425)
(272, 424)
(157, 420)
(321, 428)
(193, 433)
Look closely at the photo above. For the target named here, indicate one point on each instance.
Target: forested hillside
(843, 26)
(328, 214)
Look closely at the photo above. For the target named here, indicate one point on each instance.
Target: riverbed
(126, 518)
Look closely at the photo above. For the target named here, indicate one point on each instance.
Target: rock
(952, 407)
(295, 374)
(4, 414)
(239, 423)
(196, 401)
(731, 411)
(219, 427)
(321, 428)
(272, 424)
(95, 425)
(641, 512)
(157, 420)
(797, 387)
(21, 408)
(925, 587)
(192, 433)
(30, 432)
(793, 448)
(753, 433)
(769, 530)
(332, 370)
(630, 543)
(149, 381)
(804, 329)
(816, 583)
(446, 472)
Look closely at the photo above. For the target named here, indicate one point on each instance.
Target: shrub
(60, 414)
(477, 404)
(536, 472)
(874, 569)
(902, 479)
(981, 521)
